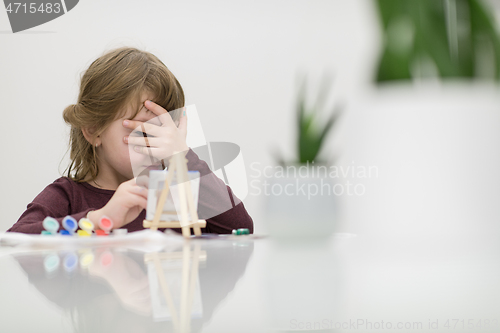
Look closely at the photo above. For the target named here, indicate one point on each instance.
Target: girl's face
(117, 161)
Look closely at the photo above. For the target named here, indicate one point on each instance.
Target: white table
(348, 283)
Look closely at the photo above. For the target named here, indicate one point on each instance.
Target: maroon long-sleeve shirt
(217, 204)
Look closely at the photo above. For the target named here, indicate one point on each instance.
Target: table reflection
(115, 289)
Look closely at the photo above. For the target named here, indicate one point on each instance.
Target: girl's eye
(136, 133)
(141, 134)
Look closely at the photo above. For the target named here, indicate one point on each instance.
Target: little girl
(120, 91)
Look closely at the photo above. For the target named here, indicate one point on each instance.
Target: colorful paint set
(70, 227)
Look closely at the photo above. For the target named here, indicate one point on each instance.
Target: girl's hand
(124, 206)
(163, 140)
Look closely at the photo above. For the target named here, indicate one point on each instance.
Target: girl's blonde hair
(111, 83)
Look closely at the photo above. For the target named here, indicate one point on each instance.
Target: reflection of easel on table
(178, 166)
(181, 322)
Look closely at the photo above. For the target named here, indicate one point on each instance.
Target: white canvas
(156, 183)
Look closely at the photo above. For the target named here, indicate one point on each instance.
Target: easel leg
(181, 184)
(190, 199)
(163, 198)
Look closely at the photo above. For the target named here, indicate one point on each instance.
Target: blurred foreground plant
(438, 38)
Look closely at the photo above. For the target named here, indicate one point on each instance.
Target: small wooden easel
(178, 163)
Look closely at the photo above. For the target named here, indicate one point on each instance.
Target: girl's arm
(53, 201)
(217, 204)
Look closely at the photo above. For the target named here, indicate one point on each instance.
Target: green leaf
(451, 33)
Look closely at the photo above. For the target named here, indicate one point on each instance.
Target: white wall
(237, 61)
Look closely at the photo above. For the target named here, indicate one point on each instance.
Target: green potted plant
(312, 129)
(300, 201)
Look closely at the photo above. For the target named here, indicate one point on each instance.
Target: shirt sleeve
(53, 201)
(217, 203)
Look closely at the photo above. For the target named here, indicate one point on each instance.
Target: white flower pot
(300, 205)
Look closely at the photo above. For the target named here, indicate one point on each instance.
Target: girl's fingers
(142, 202)
(183, 125)
(139, 195)
(142, 127)
(156, 153)
(140, 141)
(150, 145)
(152, 106)
(133, 186)
(163, 115)
(166, 120)
(136, 201)
(145, 150)
(141, 191)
